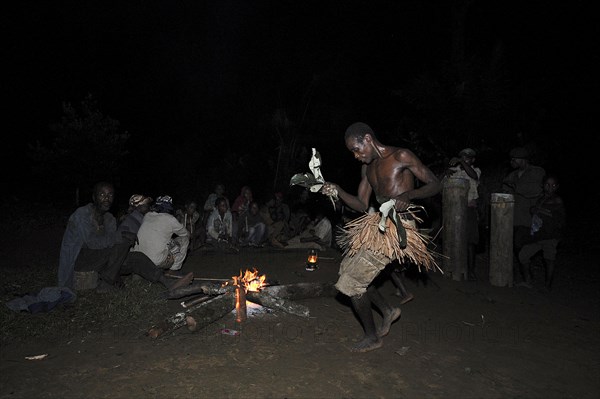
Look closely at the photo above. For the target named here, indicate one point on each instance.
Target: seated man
(190, 217)
(253, 227)
(318, 234)
(155, 236)
(136, 262)
(88, 240)
(277, 216)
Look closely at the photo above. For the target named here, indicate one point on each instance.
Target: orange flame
(250, 280)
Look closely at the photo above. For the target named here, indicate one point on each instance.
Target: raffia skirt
(367, 251)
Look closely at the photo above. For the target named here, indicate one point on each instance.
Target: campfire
(207, 300)
(250, 281)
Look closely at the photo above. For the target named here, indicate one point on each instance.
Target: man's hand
(402, 202)
(454, 161)
(330, 189)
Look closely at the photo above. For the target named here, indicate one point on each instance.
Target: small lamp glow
(312, 261)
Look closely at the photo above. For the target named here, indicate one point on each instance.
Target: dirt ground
(454, 340)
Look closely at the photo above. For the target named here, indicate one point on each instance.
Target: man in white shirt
(155, 236)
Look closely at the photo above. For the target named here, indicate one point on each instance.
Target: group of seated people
(250, 223)
(147, 241)
(153, 239)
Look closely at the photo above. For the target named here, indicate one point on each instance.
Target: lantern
(312, 261)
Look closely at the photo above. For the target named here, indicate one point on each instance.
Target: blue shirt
(82, 230)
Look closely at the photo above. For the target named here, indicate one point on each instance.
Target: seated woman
(219, 227)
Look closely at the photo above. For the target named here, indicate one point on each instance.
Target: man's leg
(524, 260)
(401, 290)
(390, 314)
(139, 263)
(94, 260)
(471, 263)
(549, 273)
(112, 272)
(362, 307)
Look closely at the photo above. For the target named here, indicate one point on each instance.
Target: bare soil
(454, 340)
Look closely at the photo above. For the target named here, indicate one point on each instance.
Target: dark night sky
(212, 69)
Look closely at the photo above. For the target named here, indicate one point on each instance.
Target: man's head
(519, 158)
(221, 205)
(551, 184)
(278, 197)
(164, 204)
(103, 196)
(219, 189)
(360, 140)
(140, 203)
(468, 155)
(190, 207)
(254, 208)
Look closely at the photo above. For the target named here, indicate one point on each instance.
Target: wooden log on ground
(197, 316)
(264, 299)
(204, 287)
(301, 290)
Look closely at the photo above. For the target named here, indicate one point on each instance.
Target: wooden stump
(454, 209)
(501, 239)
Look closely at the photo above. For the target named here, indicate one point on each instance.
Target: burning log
(240, 304)
(232, 294)
(196, 316)
(272, 302)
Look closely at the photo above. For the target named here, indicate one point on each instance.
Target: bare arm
(467, 168)
(358, 202)
(431, 184)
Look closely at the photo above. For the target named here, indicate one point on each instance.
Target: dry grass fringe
(364, 230)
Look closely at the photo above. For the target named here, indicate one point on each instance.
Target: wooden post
(454, 213)
(501, 239)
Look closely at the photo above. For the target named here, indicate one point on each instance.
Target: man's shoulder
(84, 210)
(537, 169)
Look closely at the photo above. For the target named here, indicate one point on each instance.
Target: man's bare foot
(388, 319)
(367, 344)
(182, 282)
(409, 297)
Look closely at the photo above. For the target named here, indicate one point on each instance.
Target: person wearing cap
(463, 167)
(135, 262)
(139, 205)
(524, 182)
(155, 236)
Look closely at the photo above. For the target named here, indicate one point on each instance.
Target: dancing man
(390, 173)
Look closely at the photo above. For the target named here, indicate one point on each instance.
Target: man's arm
(431, 184)
(358, 202)
(469, 170)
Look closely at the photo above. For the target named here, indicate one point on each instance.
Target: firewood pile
(206, 301)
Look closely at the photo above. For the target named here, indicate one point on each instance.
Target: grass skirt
(364, 231)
